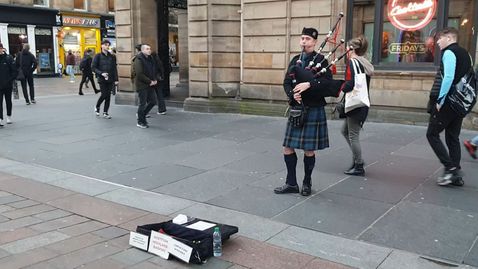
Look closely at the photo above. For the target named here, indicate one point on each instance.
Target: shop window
(80, 4)
(44, 3)
(363, 22)
(111, 5)
(17, 36)
(44, 50)
(408, 33)
(460, 16)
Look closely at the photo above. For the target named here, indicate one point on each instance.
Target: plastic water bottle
(216, 242)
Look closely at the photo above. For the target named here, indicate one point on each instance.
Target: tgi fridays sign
(411, 15)
(79, 21)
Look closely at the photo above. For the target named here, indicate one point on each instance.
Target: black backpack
(462, 97)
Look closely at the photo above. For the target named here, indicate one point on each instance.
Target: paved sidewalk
(47, 227)
(223, 167)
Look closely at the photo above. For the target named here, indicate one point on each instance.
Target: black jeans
(446, 119)
(105, 89)
(147, 100)
(84, 79)
(7, 92)
(160, 97)
(28, 79)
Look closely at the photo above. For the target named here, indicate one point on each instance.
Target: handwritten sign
(159, 244)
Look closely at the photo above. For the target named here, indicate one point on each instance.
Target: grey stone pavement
(223, 167)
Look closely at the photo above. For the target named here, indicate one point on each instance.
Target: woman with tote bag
(356, 86)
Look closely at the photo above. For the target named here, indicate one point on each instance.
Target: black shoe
(306, 190)
(96, 91)
(34, 102)
(458, 182)
(286, 188)
(28, 103)
(357, 170)
(80, 93)
(86, 86)
(350, 168)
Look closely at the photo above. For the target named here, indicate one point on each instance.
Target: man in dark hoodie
(145, 80)
(28, 64)
(8, 72)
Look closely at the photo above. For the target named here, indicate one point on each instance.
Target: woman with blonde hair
(355, 118)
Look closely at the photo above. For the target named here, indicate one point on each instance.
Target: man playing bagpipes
(306, 83)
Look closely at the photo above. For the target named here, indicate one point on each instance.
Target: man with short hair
(8, 73)
(85, 67)
(104, 66)
(455, 63)
(146, 78)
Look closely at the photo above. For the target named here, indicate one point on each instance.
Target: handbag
(358, 97)
(297, 115)
(20, 75)
(462, 96)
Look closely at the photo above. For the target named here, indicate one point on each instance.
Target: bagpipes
(314, 71)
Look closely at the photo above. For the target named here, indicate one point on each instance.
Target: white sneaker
(9, 120)
(97, 112)
(106, 116)
(161, 113)
(1, 123)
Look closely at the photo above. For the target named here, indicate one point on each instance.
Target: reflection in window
(80, 4)
(41, 3)
(460, 16)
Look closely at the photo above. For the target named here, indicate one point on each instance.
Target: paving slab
(18, 223)
(215, 158)
(154, 176)
(131, 256)
(400, 259)
(51, 215)
(83, 228)
(452, 236)
(58, 223)
(97, 209)
(212, 263)
(335, 214)
(27, 258)
(345, 251)
(33, 190)
(10, 199)
(23, 204)
(36, 241)
(37, 173)
(152, 202)
(147, 219)
(16, 234)
(110, 232)
(24, 212)
(472, 257)
(246, 198)
(207, 185)
(75, 243)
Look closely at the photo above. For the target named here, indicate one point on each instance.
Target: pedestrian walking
(8, 73)
(355, 118)
(104, 66)
(454, 64)
(70, 66)
(313, 134)
(158, 88)
(145, 80)
(26, 64)
(87, 73)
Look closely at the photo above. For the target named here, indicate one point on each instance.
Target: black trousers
(160, 99)
(445, 120)
(105, 96)
(7, 92)
(84, 79)
(28, 79)
(147, 100)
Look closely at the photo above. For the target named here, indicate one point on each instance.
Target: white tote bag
(358, 97)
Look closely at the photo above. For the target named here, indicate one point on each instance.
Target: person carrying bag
(357, 102)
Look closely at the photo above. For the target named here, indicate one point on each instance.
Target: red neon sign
(404, 16)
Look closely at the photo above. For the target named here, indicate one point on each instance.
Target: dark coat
(86, 69)
(8, 71)
(105, 63)
(70, 59)
(146, 70)
(28, 62)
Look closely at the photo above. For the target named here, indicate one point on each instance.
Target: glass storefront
(17, 36)
(407, 29)
(44, 50)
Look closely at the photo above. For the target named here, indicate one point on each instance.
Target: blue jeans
(70, 71)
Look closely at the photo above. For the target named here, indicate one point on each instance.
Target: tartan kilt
(313, 135)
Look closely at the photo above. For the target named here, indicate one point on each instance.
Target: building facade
(54, 27)
(240, 49)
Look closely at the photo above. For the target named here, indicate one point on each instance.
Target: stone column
(4, 36)
(136, 22)
(183, 48)
(31, 41)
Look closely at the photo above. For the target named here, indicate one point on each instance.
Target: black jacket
(146, 70)
(105, 63)
(86, 68)
(463, 64)
(313, 96)
(8, 71)
(28, 62)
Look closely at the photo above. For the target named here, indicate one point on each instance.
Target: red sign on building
(411, 15)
